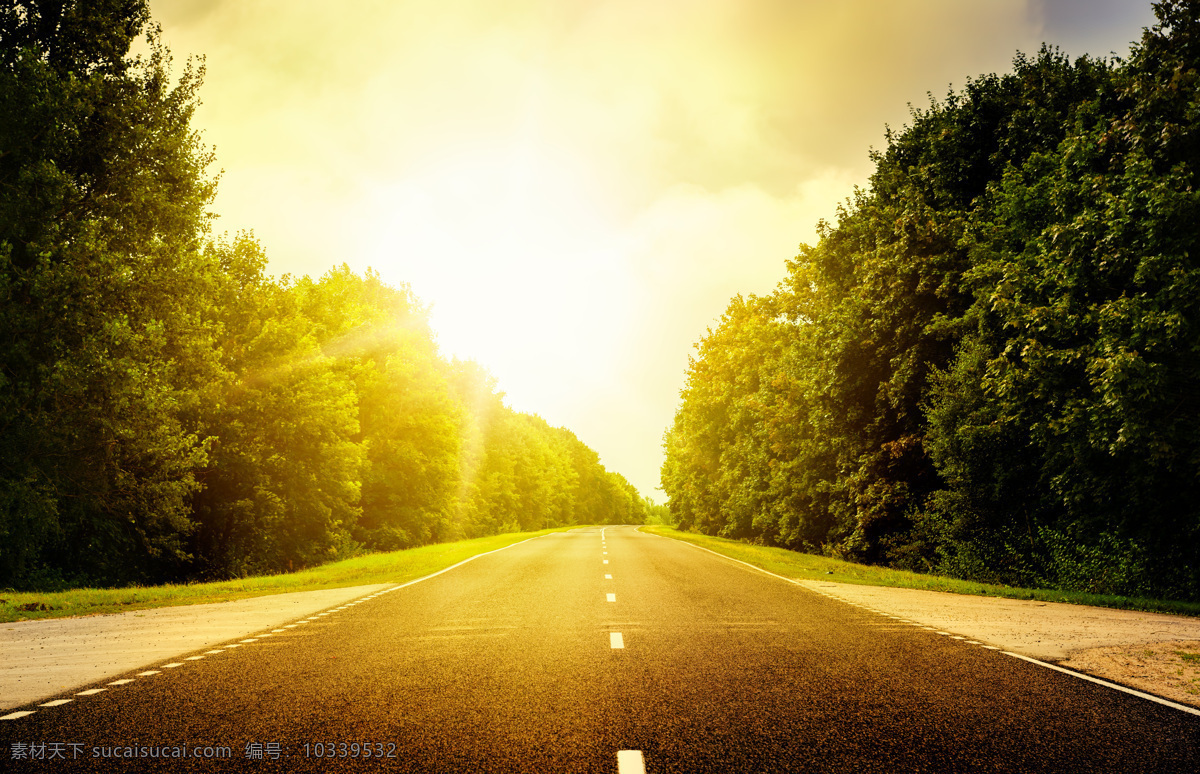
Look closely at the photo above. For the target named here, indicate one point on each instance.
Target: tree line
(170, 411)
(989, 366)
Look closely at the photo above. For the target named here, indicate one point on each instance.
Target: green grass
(393, 567)
(792, 564)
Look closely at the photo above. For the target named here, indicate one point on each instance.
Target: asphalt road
(508, 664)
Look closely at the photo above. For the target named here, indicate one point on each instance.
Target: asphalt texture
(506, 664)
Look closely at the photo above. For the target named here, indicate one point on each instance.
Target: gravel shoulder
(1152, 652)
(45, 658)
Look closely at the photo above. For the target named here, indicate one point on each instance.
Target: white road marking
(56, 703)
(291, 626)
(91, 691)
(148, 673)
(172, 666)
(1105, 683)
(1081, 676)
(615, 640)
(234, 645)
(193, 658)
(264, 634)
(605, 553)
(276, 631)
(212, 652)
(252, 639)
(630, 762)
(15, 715)
(121, 682)
(611, 597)
(460, 564)
(606, 561)
(607, 576)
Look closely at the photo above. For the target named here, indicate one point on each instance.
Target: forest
(989, 365)
(168, 410)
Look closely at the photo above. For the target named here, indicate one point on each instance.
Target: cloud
(576, 186)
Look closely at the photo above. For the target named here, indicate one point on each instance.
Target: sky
(578, 187)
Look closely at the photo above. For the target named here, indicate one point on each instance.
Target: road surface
(600, 651)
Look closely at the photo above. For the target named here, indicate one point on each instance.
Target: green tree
(103, 295)
(282, 482)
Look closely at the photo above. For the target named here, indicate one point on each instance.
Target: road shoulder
(1152, 652)
(46, 657)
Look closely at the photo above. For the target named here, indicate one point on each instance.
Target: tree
(103, 294)
(281, 485)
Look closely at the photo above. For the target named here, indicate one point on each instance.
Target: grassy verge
(393, 567)
(791, 564)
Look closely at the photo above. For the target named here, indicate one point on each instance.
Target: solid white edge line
(792, 581)
(630, 762)
(1080, 675)
(1105, 683)
(15, 715)
(469, 559)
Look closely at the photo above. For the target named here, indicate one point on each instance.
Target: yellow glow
(577, 187)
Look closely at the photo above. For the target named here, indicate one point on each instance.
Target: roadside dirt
(44, 658)
(1167, 669)
(1152, 652)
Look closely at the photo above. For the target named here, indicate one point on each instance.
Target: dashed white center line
(630, 762)
(607, 576)
(148, 673)
(615, 640)
(611, 597)
(15, 715)
(276, 631)
(193, 658)
(56, 703)
(213, 652)
(91, 691)
(234, 645)
(172, 666)
(121, 682)
(252, 639)
(291, 626)
(606, 561)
